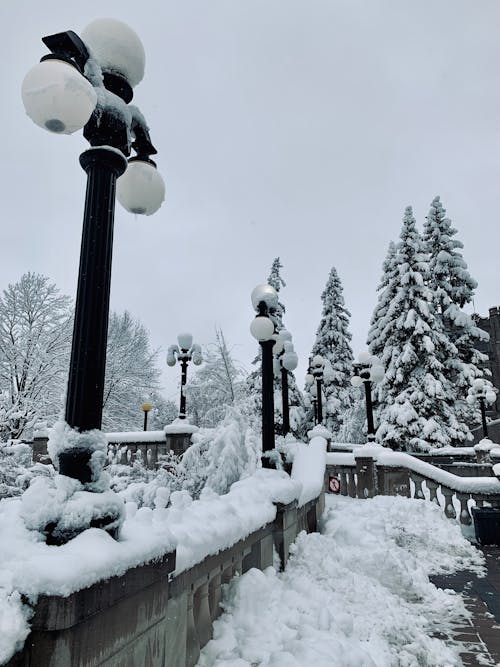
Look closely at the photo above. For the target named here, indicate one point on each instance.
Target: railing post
(367, 482)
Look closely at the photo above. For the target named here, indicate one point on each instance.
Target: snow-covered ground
(357, 595)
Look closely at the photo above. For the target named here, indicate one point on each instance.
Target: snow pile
(356, 596)
(309, 468)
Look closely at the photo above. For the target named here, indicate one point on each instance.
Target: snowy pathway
(357, 595)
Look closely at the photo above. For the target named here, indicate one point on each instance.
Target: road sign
(334, 485)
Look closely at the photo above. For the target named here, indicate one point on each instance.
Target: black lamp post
(369, 369)
(317, 368)
(287, 360)
(265, 302)
(184, 352)
(67, 91)
(482, 391)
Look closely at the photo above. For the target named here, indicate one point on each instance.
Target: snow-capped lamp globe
(265, 293)
(290, 360)
(87, 83)
(184, 352)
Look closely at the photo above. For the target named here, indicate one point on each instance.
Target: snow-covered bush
(217, 458)
(17, 469)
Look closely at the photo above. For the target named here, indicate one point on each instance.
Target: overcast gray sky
(284, 127)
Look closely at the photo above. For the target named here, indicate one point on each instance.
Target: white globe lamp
(57, 97)
(141, 188)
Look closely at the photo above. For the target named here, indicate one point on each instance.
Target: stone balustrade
(153, 616)
(362, 475)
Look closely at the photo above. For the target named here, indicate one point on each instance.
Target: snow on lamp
(264, 293)
(57, 97)
(141, 188)
(117, 48)
(185, 340)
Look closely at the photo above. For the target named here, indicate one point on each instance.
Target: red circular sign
(334, 485)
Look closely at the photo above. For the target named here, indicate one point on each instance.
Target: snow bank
(357, 596)
(309, 468)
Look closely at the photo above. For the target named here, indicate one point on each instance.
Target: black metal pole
(315, 408)
(90, 332)
(483, 416)
(369, 410)
(182, 408)
(284, 397)
(267, 398)
(145, 420)
(319, 399)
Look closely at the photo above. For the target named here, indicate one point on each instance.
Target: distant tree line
(35, 341)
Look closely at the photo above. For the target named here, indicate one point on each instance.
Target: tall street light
(184, 352)
(286, 362)
(317, 369)
(88, 83)
(369, 369)
(265, 303)
(482, 391)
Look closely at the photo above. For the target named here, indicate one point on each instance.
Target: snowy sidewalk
(479, 635)
(358, 595)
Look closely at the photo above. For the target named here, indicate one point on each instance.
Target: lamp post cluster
(87, 83)
(481, 391)
(184, 352)
(369, 369)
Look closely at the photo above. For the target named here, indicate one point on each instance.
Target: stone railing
(150, 616)
(161, 613)
(371, 471)
(125, 447)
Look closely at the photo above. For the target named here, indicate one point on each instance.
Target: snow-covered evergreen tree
(453, 287)
(417, 402)
(333, 343)
(387, 290)
(276, 281)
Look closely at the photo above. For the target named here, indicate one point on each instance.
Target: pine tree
(333, 343)
(453, 287)
(417, 401)
(387, 291)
